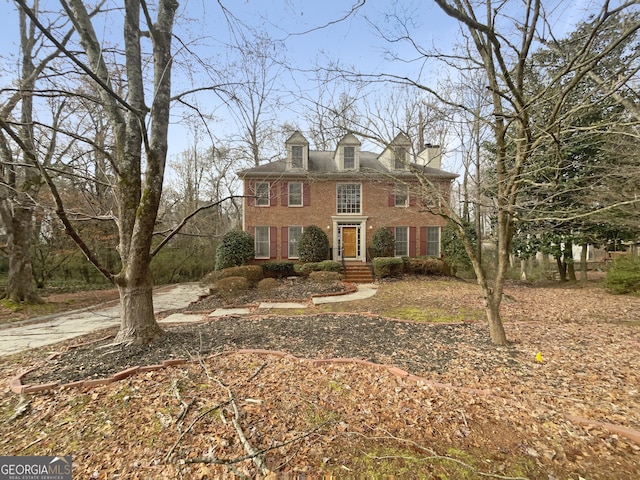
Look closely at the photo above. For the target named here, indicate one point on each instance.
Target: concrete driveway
(56, 328)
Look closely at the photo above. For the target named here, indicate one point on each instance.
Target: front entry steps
(358, 272)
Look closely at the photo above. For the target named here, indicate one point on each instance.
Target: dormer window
(297, 152)
(400, 158)
(297, 156)
(396, 157)
(349, 158)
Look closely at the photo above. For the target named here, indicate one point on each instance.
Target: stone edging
(17, 386)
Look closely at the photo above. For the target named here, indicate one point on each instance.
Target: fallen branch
(257, 458)
(230, 461)
(188, 429)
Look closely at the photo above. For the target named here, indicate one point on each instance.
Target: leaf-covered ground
(491, 411)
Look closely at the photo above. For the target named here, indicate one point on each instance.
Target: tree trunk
(496, 329)
(20, 280)
(568, 259)
(138, 325)
(562, 268)
(583, 263)
(523, 270)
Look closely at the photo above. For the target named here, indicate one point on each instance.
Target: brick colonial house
(349, 193)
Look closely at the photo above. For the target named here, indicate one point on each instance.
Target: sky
(322, 32)
(311, 31)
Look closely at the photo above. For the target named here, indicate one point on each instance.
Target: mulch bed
(414, 347)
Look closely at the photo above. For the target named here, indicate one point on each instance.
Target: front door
(349, 242)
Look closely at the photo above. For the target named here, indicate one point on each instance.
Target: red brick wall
(375, 204)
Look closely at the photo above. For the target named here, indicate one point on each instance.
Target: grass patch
(390, 462)
(433, 314)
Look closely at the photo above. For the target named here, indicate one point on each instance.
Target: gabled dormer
(297, 152)
(397, 155)
(347, 154)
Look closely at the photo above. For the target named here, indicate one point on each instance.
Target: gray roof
(322, 163)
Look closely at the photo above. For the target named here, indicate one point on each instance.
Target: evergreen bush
(324, 266)
(230, 286)
(623, 276)
(324, 276)
(452, 248)
(387, 267)
(427, 266)
(383, 243)
(314, 244)
(236, 248)
(268, 283)
(278, 269)
(252, 273)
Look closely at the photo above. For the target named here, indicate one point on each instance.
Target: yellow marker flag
(539, 357)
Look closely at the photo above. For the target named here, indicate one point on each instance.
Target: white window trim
(305, 157)
(268, 242)
(395, 250)
(439, 230)
(259, 198)
(301, 204)
(338, 185)
(289, 241)
(355, 157)
(403, 162)
(405, 192)
(301, 158)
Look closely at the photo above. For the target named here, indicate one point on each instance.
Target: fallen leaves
(368, 421)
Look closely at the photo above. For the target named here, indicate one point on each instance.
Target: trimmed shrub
(278, 269)
(230, 286)
(387, 267)
(324, 276)
(236, 248)
(383, 243)
(329, 266)
(268, 283)
(314, 244)
(252, 273)
(324, 266)
(623, 276)
(427, 266)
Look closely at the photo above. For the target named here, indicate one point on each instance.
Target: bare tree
(139, 120)
(501, 39)
(253, 97)
(19, 180)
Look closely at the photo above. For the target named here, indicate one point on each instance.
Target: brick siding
(321, 198)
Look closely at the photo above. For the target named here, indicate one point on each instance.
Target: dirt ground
(471, 411)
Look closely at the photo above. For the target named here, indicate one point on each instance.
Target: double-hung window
(297, 160)
(348, 198)
(402, 241)
(262, 242)
(294, 241)
(262, 194)
(400, 159)
(433, 241)
(295, 194)
(401, 195)
(349, 158)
